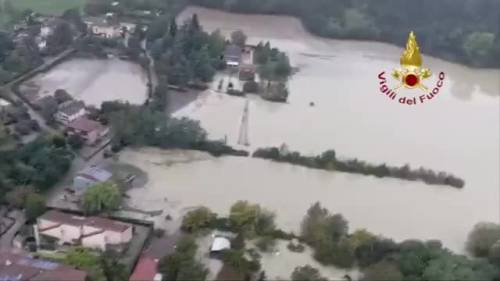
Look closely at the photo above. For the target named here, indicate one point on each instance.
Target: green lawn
(48, 7)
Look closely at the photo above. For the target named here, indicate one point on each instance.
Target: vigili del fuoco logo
(410, 77)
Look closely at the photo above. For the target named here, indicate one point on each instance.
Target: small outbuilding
(219, 245)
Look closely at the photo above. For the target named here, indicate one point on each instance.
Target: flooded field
(458, 132)
(95, 80)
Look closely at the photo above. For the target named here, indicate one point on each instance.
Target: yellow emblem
(411, 72)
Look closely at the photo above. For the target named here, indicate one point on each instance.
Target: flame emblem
(411, 72)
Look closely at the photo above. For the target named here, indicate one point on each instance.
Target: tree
(173, 28)
(182, 264)
(453, 267)
(34, 206)
(62, 95)
(482, 238)
(83, 258)
(239, 38)
(102, 197)
(61, 37)
(243, 215)
(198, 219)
(112, 268)
(75, 141)
(306, 273)
(383, 271)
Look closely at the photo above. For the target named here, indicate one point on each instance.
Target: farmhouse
(90, 130)
(90, 232)
(69, 111)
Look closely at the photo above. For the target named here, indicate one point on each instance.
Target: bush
(198, 219)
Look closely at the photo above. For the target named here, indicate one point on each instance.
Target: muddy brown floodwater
(458, 131)
(95, 80)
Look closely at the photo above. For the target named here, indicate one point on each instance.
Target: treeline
(378, 257)
(39, 164)
(143, 126)
(466, 31)
(328, 161)
(381, 258)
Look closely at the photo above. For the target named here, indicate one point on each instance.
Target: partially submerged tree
(102, 197)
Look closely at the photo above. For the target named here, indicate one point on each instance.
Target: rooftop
(145, 270)
(71, 107)
(98, 222)
(86, 125)
(96, 174)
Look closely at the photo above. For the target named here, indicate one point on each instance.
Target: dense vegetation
(328, 161)
(379, 258)
(466, 31)
(102, 197)
(185, 54)
(183, 265)
(99, 266)
(383, 259)
(41, 163)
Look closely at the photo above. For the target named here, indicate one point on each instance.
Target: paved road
(6, 238)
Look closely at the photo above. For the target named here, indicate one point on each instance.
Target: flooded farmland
(458, 131)
(94, 80)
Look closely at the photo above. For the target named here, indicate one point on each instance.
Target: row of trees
(328, 161)
(470, 33)
(147, 126)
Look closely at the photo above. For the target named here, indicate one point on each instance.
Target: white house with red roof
(90, 232)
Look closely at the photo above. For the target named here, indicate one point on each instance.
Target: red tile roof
(98, 222)
(85, 125)
(145, 270)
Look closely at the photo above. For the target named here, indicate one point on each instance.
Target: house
(91, 232)
(89, 177)
(146, 270)
(233, 55)
(109, 27)
(69, 111)
(90, 130)
(19, 267)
